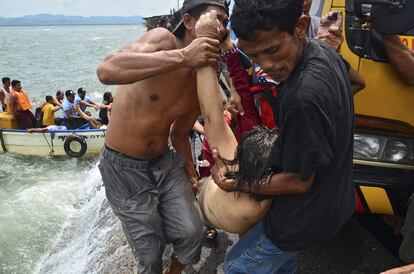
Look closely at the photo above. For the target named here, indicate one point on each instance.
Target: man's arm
(279, 184)
(109, 111)
(92, 104)
(180, 141)
(56, 102)
(357, 82)
(400, 57)
(198, 127)
(56, 108)
(82, 114)
(153, 54)
(3, 104)
(70, 114)
(13, 103)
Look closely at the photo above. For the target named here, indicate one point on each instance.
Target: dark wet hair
(257, 156)
(5, 79)
(107, 95)
(49, 98)
(250, 16)
(59, 92)
(14, 83)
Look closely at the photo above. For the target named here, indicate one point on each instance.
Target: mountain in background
(50, 19)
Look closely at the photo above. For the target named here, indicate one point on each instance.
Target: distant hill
(50, 19)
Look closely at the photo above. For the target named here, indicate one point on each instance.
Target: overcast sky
(14, 8)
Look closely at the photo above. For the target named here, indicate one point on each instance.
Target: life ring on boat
(73, 152)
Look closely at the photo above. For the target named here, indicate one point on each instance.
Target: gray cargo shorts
(155, 203)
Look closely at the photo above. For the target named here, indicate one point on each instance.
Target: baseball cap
(81, 90)
(191, 4)
(69, 92)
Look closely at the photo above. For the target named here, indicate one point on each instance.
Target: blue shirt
(66, 106)
(86, 99)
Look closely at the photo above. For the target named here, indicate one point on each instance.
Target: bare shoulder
(154, 40)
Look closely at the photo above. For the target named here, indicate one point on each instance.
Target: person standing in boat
(105, 111)
(20, 106)
(156, 101)
(5, 92)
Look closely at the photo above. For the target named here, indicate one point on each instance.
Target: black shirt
(103, 113)
(316, 118)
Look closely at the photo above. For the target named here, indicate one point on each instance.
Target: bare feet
(175, 266)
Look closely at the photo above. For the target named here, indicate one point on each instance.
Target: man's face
(18, 87)
(276, 52)
(59, 97)
(7, 84)
(82, 95)
(71, 98)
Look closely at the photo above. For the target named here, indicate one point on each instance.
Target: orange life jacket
(23, 100)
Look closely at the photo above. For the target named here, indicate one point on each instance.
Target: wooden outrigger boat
(74, 143)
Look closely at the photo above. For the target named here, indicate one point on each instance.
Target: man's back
(48, 115)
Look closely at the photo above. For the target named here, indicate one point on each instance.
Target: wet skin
(148, 111)
(277, 52)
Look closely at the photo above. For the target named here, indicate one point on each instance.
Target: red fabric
(266, 111)
(250, 119)
(242, 83)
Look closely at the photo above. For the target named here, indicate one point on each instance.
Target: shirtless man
(147, 183)
(5, 92)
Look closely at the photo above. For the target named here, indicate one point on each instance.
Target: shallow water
(53, 214)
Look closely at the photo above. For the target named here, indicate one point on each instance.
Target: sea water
(53, 213)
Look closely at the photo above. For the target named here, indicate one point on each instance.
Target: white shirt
(56, 128)
(6, 95)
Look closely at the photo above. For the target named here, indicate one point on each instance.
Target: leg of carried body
(217, 132)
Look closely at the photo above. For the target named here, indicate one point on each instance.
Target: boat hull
(52, 142)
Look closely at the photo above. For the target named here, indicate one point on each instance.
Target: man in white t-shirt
(5, 92)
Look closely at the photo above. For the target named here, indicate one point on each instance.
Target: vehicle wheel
(75, 146)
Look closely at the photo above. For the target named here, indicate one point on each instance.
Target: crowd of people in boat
(15, 101)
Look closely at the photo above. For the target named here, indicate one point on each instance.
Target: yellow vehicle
(384, 137)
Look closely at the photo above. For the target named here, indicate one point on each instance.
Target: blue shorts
(255, 253)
